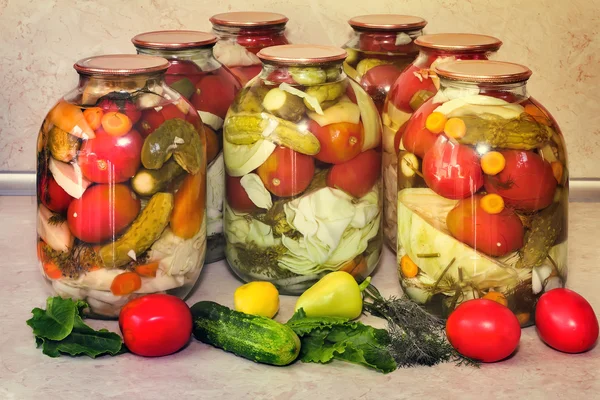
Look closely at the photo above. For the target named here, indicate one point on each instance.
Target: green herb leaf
(326, 338)
(60, 329)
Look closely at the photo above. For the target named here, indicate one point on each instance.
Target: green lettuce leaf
(60, 330)
(327, 338)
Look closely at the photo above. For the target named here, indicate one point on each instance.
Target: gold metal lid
(387, 22)
(294, 54)
(121, 64)
(459, 42)
(484, 71)
(248, 19)
(173, 40)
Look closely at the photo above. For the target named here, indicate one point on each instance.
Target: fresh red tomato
(215, 93)
(493, 234)
(407, 85)
(183, 68)
(340, 142)
(566, 321)
(102, 212)
(286, 172)
(110, 159)
(357, 176)
(416, 138)
(452, 170)
(483, 330)
(155, 325)
(237, 197)
(123, 106)
(526, 183)
(150, 120)
(383, 42)
(52, 195)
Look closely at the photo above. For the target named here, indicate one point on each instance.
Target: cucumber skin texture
(259, 339)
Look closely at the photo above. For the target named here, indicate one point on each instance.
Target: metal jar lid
(300, 54)
(483, 71)
(173, 40)
(459, 42)
(121, 64)
(248, 19)
(387, 22)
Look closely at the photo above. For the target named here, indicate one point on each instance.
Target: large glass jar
(210, 87)
(121, 207)
(242, 35)
(413, 87)
(382, 45)
(303, 166)
(482, 209)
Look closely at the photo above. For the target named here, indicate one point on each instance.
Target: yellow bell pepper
(257, 298)
(335, 295)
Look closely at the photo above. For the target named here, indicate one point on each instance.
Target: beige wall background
(41, 39)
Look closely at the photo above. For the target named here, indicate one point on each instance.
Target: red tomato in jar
(246, 73)
(183, 68)
(565, 321)
(102, 212)
(281, 76)
(215, 93)
(452, 170)
(407, 85)
(255, 40)
(155, 325)
(383, 42)
(416, 138)
(381, 77)
(493, 234)
(150, 121)
(110, 159)
(286, 172)
(236, 195)
(171, 111)
(52, 195)
(357, 176)
(123, 106)
(483, 330)
(526, 183)
(340, 142)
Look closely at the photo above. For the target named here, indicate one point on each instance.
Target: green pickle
(184, 86)
(488, 217)
(147, 182)
(274, 152)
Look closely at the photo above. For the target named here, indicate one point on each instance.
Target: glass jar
(382, 45)
(303, 165)
(121, 207)
(483, 214)
(210, 87)
(413, 87)
(242, 35)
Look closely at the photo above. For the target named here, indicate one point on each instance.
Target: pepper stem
(365, 284)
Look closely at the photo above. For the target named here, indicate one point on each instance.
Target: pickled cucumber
(62, 145)
(546, 226)
(146, 182)
(308, 76)
(143, 232)
(245, 129)
(326, 95)
(284, 105)
(177, 138)
(333, 74)
(185, 87)
(250, 99)
(521, 133)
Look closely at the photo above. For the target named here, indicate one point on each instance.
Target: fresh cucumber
(256, 338)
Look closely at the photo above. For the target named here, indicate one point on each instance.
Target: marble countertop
(203, 372)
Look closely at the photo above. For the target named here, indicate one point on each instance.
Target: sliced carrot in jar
(455, 128)
(116, 123)
(125, 283)
(492, 203)
(52, 270)
(537, 114)
(93, 116)
(147, 270)
(436, 122)
(492, 163)
(408, 268)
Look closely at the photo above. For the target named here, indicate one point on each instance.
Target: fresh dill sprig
(416, 336)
